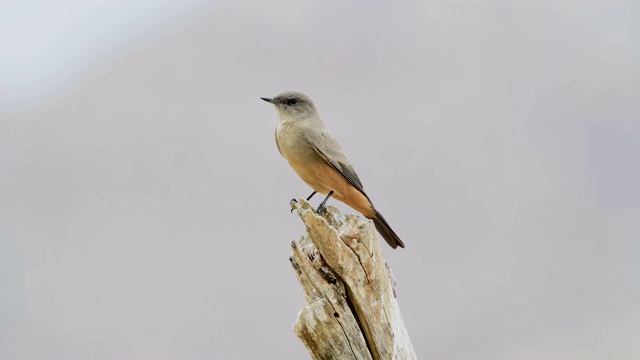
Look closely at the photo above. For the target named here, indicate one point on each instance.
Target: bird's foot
(293, 201)
(321, 207)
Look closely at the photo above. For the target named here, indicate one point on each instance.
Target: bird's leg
(321, 206)
(310, 196)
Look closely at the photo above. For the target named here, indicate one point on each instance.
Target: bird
(319, 160)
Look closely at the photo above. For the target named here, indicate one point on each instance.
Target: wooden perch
(350, 310)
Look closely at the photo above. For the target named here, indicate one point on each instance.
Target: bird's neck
(311, 120)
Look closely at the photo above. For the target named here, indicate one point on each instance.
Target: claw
(321, 209)
(321, 206)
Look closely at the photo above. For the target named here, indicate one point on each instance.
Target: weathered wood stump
(350, 310)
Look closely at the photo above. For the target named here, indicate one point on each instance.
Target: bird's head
(293, 106)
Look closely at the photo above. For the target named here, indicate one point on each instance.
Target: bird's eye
(292, 101)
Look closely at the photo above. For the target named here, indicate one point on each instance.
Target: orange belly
(324, 178)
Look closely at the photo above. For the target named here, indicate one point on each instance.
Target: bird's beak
(273, 101)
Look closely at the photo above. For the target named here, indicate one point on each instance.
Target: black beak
(273, 101)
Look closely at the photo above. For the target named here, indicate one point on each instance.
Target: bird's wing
(329, 149)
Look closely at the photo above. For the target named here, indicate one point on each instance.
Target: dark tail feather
(385, 230)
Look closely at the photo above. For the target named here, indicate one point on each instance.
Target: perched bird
(319, 160)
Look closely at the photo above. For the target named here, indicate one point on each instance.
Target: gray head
(293, 106)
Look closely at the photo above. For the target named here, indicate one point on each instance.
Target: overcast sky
(144, 207)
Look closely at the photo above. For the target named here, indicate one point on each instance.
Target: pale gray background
(144, 207)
